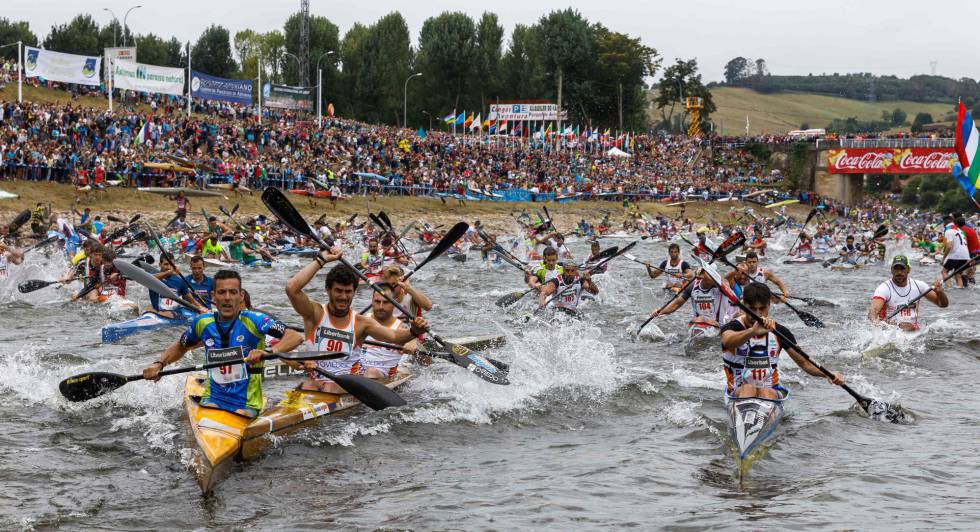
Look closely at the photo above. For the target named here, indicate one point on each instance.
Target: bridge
(837, 169)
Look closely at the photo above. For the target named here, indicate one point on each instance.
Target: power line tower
(304, 42)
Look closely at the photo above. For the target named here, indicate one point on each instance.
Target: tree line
(463, 62)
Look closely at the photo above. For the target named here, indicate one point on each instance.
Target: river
(596, 430)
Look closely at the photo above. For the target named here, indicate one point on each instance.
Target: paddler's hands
(767, 324)
(837, 380)
(333, 254)
(655, 313)
(152, 372)
(938, 286)
(310, 367)
(255, 355)
(419, 326)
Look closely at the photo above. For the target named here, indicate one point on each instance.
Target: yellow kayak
(218, 437)
(781, 203)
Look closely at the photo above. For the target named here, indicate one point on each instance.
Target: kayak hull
(753, 423)
(148, 321)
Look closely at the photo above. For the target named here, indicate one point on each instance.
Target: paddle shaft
(809, 217)
(598, 266)
(170, 260)
(916, 299)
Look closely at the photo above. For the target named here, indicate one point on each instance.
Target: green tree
(353, 55)
(898, 117)
(383, 57)
(623, 64)
(522, 68)
(79, 36)
(324, 37)
(447, 58)
(11, 31)
(736, 70)
(273, 48)
(155, 51)
(921, 119)
(212, 53)
(489, 49)
(681, 80)
(567, 48)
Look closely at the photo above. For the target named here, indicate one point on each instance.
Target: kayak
(781, 203)
(173, 191)
(300, 252)
(752, 421)
(316, 193)
(229, 186)
(801, 260)
(844, 266)
(8, 195)
(148, 321)
(217, 263)
(218, 437)
(257, 263)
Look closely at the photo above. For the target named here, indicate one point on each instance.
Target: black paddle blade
(279, 205)
(510, 299)
(809, 319)
(224, 210)
(135, 218)
(114, 219)
(882, 411)
(234, 209)
(34, 284)
(385, 219)
(375, 395)
(730, 244)
(90, 385)
(480, 365)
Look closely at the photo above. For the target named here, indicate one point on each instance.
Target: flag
(421, 132)
(468, 121)
(968, 150)
(519, 129)
(491, 120)
(477, 122)
(142, 135)
(502, 127)
(450, 118)
(460, 118)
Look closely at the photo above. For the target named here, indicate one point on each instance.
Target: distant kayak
(173, 191)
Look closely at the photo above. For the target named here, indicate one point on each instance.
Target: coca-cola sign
(890, 160)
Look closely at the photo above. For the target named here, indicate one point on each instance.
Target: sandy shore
(124, 202)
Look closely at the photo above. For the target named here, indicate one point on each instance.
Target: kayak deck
(219, 436)
(753, 422)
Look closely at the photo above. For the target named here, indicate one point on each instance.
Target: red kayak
(316, 194)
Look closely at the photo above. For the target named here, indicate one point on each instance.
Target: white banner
(56, 66)
(118, 54)
(527, 111)
(148, 78)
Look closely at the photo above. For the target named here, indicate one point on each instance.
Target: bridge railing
(896, 143)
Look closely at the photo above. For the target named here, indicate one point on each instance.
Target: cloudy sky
(884, 37)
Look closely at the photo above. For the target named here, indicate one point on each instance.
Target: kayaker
(677, 269)
(707, 301)
(212, 247)
(180, 214)
(230, 334)
(335, 326)
(848, 252)
(899, 290)
(8, 255)
(545, 271)
(564, 254)
(164, 306)
(955, 253)
(372, 260)
(569, 286)
(762, 275)
(703, 248)
(594, 250)
(410, 297)
(202, 285)
(376, 362)
(805, 249)
(751, 350)
(758, 243)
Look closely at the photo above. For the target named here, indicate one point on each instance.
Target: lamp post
(298, 62)
(405, 110)
(124, 23)
(426, 113)
(319, 87)
(115, 28)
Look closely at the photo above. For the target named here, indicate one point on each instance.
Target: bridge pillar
(848, 188)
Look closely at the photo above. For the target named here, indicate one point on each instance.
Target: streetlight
(124, 23)
(114, 28)
(426, 113)
(405, 113)
(319, 87)
(298, 62)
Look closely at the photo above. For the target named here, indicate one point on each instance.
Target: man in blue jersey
(230, 334)
(164, 306)
(202, 284)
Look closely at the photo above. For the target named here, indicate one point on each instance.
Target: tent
(616, 152)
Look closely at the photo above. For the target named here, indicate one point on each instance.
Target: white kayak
(752, 422)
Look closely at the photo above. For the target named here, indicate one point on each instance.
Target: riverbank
(124, 202)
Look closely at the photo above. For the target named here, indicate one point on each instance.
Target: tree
(736, 70)
(379, 59)
(567, 48)
(273, 48)
(212, 53)
(80, 36)
(11, 31)
(682, 80)
(898, 117)
(353, 55)
(521, 68)
(760, 68)
(448, 60)
(155, 51)
(324, 37)
(489, 48)
(921, 119)
(623, 63)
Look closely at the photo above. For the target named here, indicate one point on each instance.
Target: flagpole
(188, 78)
(20, 71)
(110, 81)
(258, 64)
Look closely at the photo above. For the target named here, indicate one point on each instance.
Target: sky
(882, 37)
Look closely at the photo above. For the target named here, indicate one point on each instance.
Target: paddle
(500, 249)
(425, 352)
(915, 299)
(167, 257)
(384, 223)
(729, 245)
(447, 242)
(33, 285)
(514, 297)
(597, 267)
(813, 212)
(139, 275)
(880, 232)
(806, 317)
(282, 208)
(42, 243)
(875, 408)
(114, 219)
(87, 386)
(638, 261)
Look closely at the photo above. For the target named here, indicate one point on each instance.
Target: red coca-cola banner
(891, 160)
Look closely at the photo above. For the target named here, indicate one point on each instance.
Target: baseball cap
(901, 260)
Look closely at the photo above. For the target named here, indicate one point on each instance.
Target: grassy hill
(43, 95)
(779, 113)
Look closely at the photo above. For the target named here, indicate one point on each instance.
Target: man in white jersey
(377, 362)
(335, 327)
(709, 305)
(568, 286)
(759, 274)
(956, 252)
(896, 292)
(677, 269)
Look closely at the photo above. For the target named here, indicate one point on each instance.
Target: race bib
(225, 375)
(757, 371)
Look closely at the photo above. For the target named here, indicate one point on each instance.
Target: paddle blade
(114, 219)
(454, 234)
(375, 395)
(90, 385)
(510, 299)
(730, 244)
(476, 363)
(882, 411)
(809, 319)
(279, 205)
(234, 209)
(385, 219)
(34, 284)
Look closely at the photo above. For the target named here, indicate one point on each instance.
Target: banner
(891, 160)
(527, 111)
(148, 78)
(127, 53)
(228, 90)
(287, 97)
(56, 66)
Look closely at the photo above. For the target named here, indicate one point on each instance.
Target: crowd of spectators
(57, 142)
